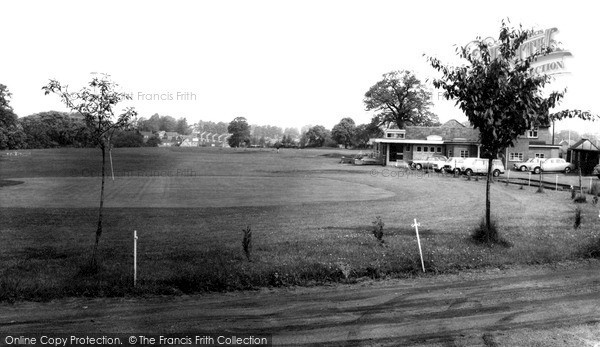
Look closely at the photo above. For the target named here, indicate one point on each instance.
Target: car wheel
(418, 167)
(568, 169)
(523, 168)
(496, 173)
(537, 170)
(468, 172)
(457, 171)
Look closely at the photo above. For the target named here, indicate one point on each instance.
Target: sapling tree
(500, 94)
(96, 102)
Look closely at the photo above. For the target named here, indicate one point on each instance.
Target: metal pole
(556, 183)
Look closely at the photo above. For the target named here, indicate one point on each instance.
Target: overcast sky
(284, 63)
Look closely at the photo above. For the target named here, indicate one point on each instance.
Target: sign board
(548, 64)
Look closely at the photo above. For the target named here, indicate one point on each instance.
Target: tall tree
(152, 124)
(182, 126)
(500, 95)
(365, 132)
(240, 132)
(316, 136)
(344, 132)
(96, 103)
(292, 133)
(401, 98)
(11, 132)
(168, 123)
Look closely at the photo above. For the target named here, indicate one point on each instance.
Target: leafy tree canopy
(401, 98)
(240, 132)
(344, 132)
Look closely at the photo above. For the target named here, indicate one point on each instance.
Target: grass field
(311, 221)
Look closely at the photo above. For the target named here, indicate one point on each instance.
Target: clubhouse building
(454, 139)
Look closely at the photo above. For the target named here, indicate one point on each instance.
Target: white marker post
(416, 225)
(529, 183)
(111, 165)
(556, 183)
(590, 184)
(134, 257)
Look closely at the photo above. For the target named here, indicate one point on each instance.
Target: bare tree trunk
(488, 223)
(99, 229)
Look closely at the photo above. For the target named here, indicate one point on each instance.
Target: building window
(464, 154)
(407, 148)
(400, 136)
(418, 148)
(389, 134)
(425, 148)
(449, 153)
(439, 149)
(533, 133)
(515, 156)
(540, 155)
(432, 149)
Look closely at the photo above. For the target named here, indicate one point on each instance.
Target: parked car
(453, 164)
(528, 165)
(596, 170)
(369, 159)
(479, 166)
(435, 162)
(554, 164)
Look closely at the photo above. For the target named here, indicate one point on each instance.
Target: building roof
(585, 145)
(452, 123)
(447, 133)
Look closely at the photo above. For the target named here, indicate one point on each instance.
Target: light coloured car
(528, 165)
(596, 171)
(479, 166)
(435, 162)
(453, 164)
(554, 165)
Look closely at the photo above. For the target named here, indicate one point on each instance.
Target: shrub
(247, 242)
(592, 250)
(378, 229)
(595, 191)
(580, 199)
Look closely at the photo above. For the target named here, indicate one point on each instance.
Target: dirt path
(555, 305)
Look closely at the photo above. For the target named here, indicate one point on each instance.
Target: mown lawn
(310, 217)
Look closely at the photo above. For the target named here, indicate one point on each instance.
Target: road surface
(552, 305)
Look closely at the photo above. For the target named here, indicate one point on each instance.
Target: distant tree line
(164, 123)
(399, 98)
(53, 129)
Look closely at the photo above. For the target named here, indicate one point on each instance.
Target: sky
(284, 63)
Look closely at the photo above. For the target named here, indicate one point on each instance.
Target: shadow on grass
(489, 236)
(8, 183)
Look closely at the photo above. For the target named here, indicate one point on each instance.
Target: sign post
(416, 225)
(556, 183)
(529, 182)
